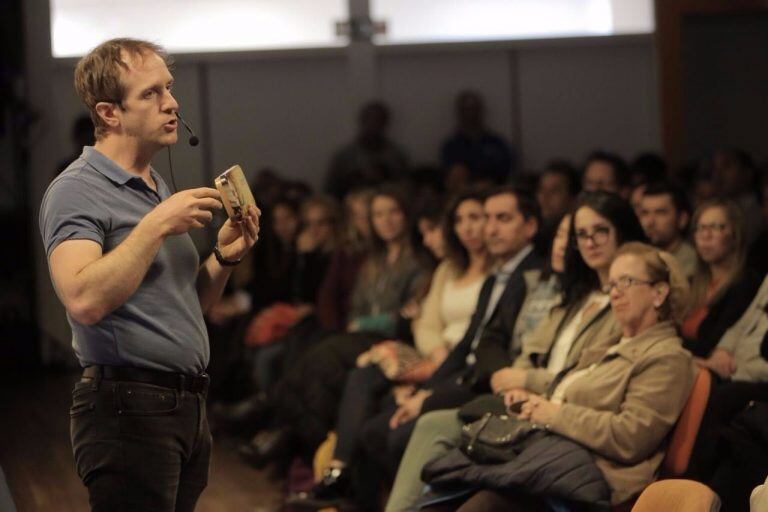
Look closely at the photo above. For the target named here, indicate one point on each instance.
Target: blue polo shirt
(161, 325)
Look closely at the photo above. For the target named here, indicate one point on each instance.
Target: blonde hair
(662, 267)
(702, 276)
(97, 75)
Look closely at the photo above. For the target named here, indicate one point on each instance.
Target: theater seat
(677, 496)
(687, 427)
(684, 433)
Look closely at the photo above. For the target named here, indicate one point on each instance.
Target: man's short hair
(619, 166)
(661, 188)
(565, 169)
(97, 75)
(526, 203)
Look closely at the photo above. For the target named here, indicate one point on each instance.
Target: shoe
(266, 447)
(331, 491)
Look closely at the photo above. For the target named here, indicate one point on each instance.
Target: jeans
(139, 447)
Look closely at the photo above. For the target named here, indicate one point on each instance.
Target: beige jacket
(598, 331)
(627, 403)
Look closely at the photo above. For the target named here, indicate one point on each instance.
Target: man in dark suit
(512, 221)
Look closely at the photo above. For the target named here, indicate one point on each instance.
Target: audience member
(606, 171)
(473, 154)
(664, 215)
(734, 177)
(371, 159)
(556, 193)
(82, 135)
(647, 167)
(335, 293)
(608, 416)
(726, 455)
(721, 287)
(757, 258)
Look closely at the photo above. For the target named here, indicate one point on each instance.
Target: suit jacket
(491, 352)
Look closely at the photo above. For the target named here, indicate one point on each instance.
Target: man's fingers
(394, 421)
(208, 203)
(204, 216)
(205, 192)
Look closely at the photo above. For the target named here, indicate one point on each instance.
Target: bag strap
(483, 422)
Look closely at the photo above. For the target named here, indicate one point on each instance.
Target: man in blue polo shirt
(124, 266)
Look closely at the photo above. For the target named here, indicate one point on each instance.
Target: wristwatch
(222, 260)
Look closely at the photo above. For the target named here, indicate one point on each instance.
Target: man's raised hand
(185, 210)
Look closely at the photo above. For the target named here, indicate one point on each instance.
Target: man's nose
(170, 103)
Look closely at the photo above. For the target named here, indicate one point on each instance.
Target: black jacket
(492, 351)
(723, 313)
(550, 466)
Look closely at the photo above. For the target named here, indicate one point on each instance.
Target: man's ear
(531, 227)
(662, 293)
(682, 221)
(107, 111)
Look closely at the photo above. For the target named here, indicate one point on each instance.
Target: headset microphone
(193, 139)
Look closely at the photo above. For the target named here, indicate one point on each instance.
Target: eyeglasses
(714, 228)
(624, 283)
(598, 237)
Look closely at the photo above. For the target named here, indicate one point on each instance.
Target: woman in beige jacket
(620, 402)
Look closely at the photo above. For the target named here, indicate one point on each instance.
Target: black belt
(193, 383)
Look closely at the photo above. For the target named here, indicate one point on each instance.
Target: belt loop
(96, 381)
(182, 382)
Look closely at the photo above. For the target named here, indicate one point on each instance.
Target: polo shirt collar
(102, 164)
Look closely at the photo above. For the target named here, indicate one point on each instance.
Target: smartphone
(516, 407)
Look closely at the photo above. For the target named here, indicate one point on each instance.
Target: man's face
(599, 175)
(553, 195)
(148, 111)
(506, 230)
(660, 219)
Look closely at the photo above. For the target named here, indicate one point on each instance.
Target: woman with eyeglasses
(601, 222)
(722, 287)
(723, 331)
(618, 402)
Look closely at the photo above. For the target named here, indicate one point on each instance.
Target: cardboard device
(235, 192)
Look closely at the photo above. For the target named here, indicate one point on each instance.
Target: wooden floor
(36, 457)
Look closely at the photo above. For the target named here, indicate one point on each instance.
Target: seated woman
(306, 398)
(618, 403)
(743, 382)
(444, 317)
(721, 288)
(583, 319)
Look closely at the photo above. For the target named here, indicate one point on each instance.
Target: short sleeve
(69, 211)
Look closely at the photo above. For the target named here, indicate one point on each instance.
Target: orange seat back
(687, 427)
(677, 496)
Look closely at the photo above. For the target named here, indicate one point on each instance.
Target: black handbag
(496, 438)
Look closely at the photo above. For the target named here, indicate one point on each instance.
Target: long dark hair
(401, 196)
(455, 252)
(578, 279)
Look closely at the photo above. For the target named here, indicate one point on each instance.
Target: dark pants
(139, 446)
(307, 397)
(359, 402)
(385, 445)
